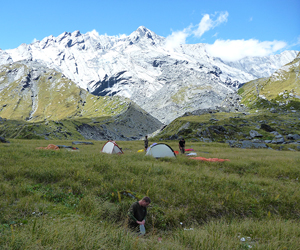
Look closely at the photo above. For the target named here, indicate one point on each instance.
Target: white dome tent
(111, 147)
(159, 150)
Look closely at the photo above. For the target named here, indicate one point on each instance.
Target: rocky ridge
(263, 129)
(132, 124)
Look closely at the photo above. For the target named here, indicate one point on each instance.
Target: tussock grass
(76, 200)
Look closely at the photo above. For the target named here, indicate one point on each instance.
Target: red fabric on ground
(208, 159)
(50, 146)
(189, 149)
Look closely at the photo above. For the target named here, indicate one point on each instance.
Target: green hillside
(223, 126)
(40, 103)
(280, 89)
(132, 124)
(26, 94)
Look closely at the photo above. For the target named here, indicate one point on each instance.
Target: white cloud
(121, 36)
(34, 40)
(207, 23)
(94, 33)
(295, 44)
(227, 50)
(176, 38)
(232, 50)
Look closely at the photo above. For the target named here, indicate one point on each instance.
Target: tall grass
(77, 200)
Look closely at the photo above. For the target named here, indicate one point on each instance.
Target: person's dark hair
(147, 199)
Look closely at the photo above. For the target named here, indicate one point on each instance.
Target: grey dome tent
(111, 147)
(159, 150)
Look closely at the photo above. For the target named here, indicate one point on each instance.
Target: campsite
(78, 199)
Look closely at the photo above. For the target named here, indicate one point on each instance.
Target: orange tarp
(50, 146)
(208, 159)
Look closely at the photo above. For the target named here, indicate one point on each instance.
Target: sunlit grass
(76, 200)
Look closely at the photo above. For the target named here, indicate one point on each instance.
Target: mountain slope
(165, 81)
(33, 92)
(42, 103)
(281, 88)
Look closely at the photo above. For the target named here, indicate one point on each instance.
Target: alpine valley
(136, 83)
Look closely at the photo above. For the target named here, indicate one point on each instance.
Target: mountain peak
(143, 29)
(141, 33)
(76, 33)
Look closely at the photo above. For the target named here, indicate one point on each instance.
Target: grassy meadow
(79, 199)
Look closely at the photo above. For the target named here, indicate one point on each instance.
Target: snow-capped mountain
(164, 81)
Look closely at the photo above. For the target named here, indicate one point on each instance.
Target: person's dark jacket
(136, 213)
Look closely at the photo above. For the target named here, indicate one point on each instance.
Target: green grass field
(77, 200)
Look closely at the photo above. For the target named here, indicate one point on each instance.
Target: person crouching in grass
(137, 215)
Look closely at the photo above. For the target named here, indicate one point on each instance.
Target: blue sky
(236, 27)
